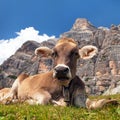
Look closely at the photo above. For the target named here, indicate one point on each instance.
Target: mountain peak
(82, 24)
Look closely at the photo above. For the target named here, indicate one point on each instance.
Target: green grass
(49, 112)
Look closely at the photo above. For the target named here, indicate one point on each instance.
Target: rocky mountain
(100, 74)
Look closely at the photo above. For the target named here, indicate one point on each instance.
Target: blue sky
(54, 17)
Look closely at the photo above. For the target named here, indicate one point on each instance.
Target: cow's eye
(76, 54)
(54, 54)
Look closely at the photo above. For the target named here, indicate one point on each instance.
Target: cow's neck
(65, 91)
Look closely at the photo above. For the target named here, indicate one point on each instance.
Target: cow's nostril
(66, 70)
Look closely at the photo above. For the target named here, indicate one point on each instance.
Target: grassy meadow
(49, 112)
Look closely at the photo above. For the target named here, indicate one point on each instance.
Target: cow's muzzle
(62, 72)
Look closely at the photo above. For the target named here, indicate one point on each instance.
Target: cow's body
(40, 85)
(59, 83)
(44, 88)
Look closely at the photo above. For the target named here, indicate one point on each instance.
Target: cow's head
(65, 55)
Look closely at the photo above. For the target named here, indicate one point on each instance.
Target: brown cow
(61, 83)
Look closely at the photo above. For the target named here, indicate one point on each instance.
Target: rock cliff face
(100, 73)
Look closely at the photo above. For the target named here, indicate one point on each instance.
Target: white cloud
(9, 47)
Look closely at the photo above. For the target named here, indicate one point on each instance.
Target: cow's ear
(88, 51)
(43, 52)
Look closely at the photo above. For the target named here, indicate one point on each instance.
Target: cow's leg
(3, 93)
(42, 97)
(14, 89)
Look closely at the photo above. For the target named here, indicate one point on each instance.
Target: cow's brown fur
(40, 83)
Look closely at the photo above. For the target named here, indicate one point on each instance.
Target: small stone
(101, 88)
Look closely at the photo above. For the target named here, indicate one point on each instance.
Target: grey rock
(112, 91)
